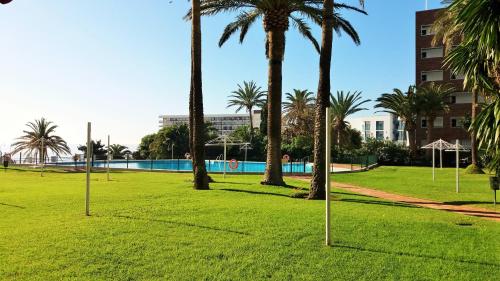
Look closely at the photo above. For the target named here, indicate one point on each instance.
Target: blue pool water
(213, 166)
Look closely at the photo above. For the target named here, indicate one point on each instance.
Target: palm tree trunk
(251, 119)
(274, 173)
(317, 190)
(411, 140)
(473, 139)
(197, 120)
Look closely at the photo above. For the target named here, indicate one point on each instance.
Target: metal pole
(127, 161)
(327, 170)
(433, 162)
(42, 157)
(457, 174)
(89, 154)
(225, 144)
(172, 151)
(440, 154)
(245, 163)
(108, 156)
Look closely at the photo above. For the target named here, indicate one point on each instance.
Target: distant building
(429, 68)
(224, 123)
(380, 127)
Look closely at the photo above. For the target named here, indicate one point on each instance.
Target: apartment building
(380, 127)
(429, 68)
(224, 123)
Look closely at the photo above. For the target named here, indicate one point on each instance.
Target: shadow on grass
(13, 206)
(462, 203)
(423, 256)
(352, 194)
(183, 224)
(376, 202)
(231, 182)
(254, 192)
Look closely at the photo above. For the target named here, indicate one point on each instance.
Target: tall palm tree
(328, 24)
(403, 105)
(118, 151)
(432, 99)
(342, 106)
(298, 107)
(196, 119)
(276, 15)
(41, 132)
(248, 97)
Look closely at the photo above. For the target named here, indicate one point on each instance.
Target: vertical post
(327, 170)
(42, 161)
(225, 147)
(20, 158)
(89, 154)
(109, 155)
(458, 166)
(245, 162)
(433, 162)
(172, 151)
(127, 161)
(440, 154)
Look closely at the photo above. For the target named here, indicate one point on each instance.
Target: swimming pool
(213, 166)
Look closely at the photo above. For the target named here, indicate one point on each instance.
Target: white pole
(89, 154)
(42, 161)
(457, 174)
(327, 176)
(433, 162)
(225, 142)
(109, 155)
(440, 154)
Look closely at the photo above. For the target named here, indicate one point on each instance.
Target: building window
(453, 99)
(456, 122)
(426, 30)
(423, 123)
(366, 129)
(379, 135)
(455, 76)
(435, 75)
(438, 122)
(379, 130)
(428, 53)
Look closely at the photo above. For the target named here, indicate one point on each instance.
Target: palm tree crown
(41, 131)
(118, 151)
(404, 105)
(298, 107)
(342, 106)
(247, 96)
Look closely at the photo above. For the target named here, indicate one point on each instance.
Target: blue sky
(122, 63)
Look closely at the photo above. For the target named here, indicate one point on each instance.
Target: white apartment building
(380, 127)
(224, 123)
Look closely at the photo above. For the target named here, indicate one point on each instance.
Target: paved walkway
(465, 210)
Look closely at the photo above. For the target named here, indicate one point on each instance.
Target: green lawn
(417, 181)
(153, 226)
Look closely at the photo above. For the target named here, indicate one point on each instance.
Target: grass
(417, 181)
(153, 226)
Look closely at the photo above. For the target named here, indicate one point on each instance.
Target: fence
(294, 166)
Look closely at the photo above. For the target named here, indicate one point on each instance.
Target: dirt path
(464, 210)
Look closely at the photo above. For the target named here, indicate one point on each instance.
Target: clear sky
(122, 63)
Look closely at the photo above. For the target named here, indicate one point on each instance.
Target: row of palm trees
(276, 16)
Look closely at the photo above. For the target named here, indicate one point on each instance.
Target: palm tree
(248, 97)
(196, 119)
(39, 139)
(276, 15)
(403, 105)
(298, 109)
(118, 151)
(5, 1)
(328, 24)
(342, 106)
(432, 99)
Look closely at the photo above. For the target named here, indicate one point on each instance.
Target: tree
(477, 22)
(5, 1)
(143, 151)
(344, 105)
(174, 137)
(196, 119)
(404, 105)
(298, 109)
(98, 151)
(118, 151)
(432, 99)
(40, 138)
(329, 22)
(248, 97)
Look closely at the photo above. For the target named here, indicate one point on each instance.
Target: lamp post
(327, 175)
